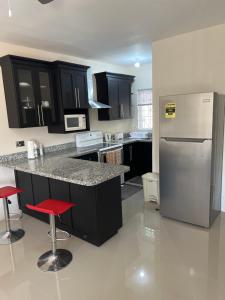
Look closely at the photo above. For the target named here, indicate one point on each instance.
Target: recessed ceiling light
(137, 64)
(10, 10)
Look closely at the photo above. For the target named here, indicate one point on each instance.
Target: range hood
(96, 104)
(93, 103)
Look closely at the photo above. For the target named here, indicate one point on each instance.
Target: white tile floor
(150, 258)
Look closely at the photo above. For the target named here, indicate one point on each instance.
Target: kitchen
(80, 127)
(62, 119)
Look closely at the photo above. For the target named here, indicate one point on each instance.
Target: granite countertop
(62, 166)
(132, 140)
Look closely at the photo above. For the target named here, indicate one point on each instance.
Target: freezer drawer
(187, 116)
(185, 167)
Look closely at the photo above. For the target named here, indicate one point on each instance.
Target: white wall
(191, 62)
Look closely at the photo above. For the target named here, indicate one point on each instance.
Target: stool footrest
(61, 235)
(15, 216)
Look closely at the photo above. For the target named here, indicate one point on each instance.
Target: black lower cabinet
(84, 211)
(40, 193)
(24, 181)
(138, 156)
(97, 214)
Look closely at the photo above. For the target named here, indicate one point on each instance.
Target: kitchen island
(94, 187)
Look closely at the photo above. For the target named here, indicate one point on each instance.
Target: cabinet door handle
(75, 93)
(131, 153)
(78, 95)
(39, 116)
(122, 111)
(42, 115)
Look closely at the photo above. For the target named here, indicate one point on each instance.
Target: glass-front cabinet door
(30, 115)
(46, 98)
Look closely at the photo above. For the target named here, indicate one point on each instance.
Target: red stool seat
(55, 259)
(51, 207)
(8, 191)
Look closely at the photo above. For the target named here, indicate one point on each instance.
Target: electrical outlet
(20, 144)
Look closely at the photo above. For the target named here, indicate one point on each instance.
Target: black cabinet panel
(40, 193)
(68, 89)
(45, 92)
(109, 208)
(80, 79)
(84, 213)
(114, 90)
(113, 94)
(27, 101)
(72, 85)
(24, 181)
(59, 190)
(143, 157)
(128, 151)
(28, 91)
(138, 156)
(125, 99)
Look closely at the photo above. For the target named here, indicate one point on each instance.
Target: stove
(109, 147)
(94, 139)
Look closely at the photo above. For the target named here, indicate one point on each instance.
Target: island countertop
(62, 166)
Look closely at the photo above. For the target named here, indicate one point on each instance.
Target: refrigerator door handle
(186, 140)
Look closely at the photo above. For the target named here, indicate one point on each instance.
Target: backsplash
(48, 149)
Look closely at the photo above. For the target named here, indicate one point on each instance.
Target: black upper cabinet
(28, 92)
(70, 85)
(72, 80)
(114, 90)
(68, 91)
(113, 100)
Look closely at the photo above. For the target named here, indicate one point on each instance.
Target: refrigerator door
(185, 169)
(187, 116)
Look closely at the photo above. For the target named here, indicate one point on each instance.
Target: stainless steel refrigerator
(191, 157)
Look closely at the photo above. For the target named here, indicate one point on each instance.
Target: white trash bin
(151, 187)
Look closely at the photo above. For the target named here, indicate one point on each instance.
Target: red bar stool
(9, 236)
(55, 259)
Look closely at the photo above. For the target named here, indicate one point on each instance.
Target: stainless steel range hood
(97, 105)
(93, 103)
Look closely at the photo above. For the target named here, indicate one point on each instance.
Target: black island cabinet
(96, 216)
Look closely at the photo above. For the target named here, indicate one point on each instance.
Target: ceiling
(118, 31)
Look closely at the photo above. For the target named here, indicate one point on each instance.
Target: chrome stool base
(54, 262)
(10, 237)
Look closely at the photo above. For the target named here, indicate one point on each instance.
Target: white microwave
(75, 122)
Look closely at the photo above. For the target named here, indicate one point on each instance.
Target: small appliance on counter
(108, 137)
(75, 122)
(32, 149)
(140, 134)
(118, 136)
